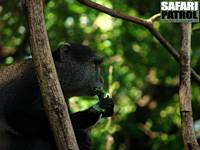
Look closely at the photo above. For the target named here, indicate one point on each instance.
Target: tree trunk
(53, 98)
(188, 134)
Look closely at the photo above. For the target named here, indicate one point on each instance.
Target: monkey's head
(78, 69)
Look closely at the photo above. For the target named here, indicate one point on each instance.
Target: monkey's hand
(107, 106)
(104, 107)
(88, 117)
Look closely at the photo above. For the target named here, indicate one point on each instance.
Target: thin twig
(113, 13)
(154, 17)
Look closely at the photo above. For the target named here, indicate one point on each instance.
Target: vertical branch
(188, 134)
(110, 71)
(53, 98)
(109, 137)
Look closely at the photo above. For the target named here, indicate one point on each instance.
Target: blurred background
(140, 75)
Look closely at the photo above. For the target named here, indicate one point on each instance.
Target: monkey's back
(15, 78)
(21, 110)
(17, 85)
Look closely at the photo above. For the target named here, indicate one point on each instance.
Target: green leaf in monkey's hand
(104, 107)
(105, 104)
(101, 94)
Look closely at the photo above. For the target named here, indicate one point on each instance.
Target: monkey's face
(78, 70)
(86, 78)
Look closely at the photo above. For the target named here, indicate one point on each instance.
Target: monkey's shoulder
(20, 70)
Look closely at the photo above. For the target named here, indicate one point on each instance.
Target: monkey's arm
(88, 117)
(84, 119)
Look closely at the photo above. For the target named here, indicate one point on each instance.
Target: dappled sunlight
(69, 22)
(104, 22)
(144, 101)
(152, 76)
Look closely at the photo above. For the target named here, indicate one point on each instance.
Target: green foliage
(144, 78)
(196, 27)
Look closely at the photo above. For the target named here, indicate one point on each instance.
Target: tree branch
(53, 98)
(113, 13)
(147, 24)
(154, 17)
(188, 134)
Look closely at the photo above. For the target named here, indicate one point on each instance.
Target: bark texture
(188, 134)
(53, 98)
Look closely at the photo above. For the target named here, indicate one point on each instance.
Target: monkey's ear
(59, 53)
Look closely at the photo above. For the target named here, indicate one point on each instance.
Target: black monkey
(23, 123)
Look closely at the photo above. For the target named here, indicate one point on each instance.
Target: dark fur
(23, 123)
